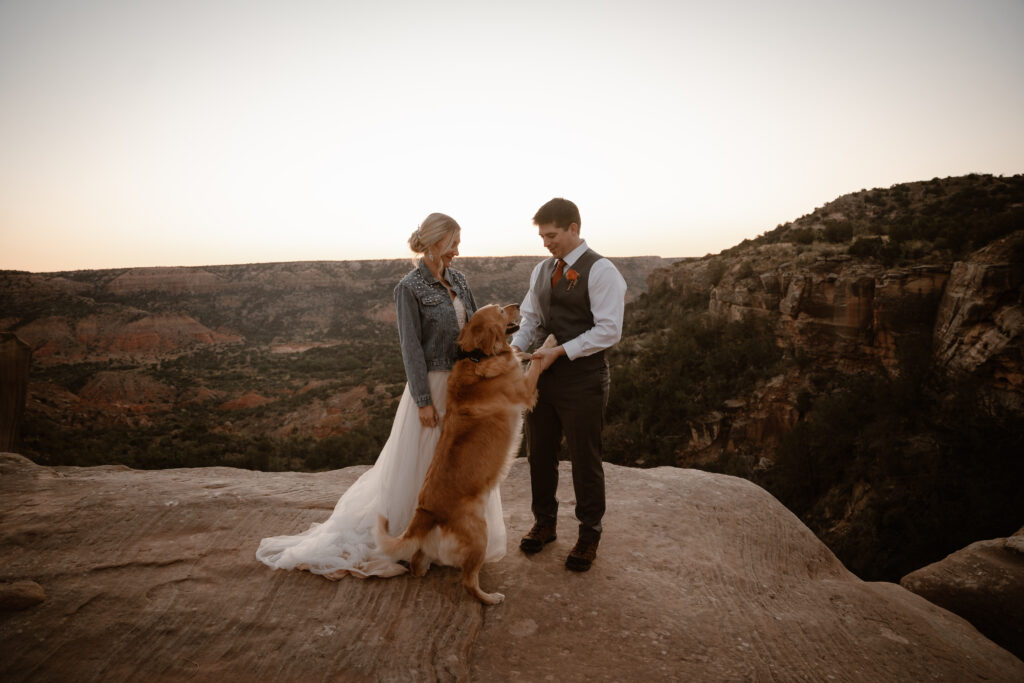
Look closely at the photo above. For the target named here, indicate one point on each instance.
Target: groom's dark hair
(559, 211)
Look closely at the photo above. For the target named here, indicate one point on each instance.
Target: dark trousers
(571, 402)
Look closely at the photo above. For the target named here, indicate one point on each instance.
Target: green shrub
(875, 248)
(200, 444)
(837, 232)
(716, 269)
(802, 235)
(939, 461)
(683, 372)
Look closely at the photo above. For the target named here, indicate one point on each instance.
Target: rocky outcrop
(15, 358)
(118, 334)
(979, 328)
(832, 307)
(249, 400)
(20, 595)
(833, 312)
(762, 418)
(825, 309)
(126, 391)
(151, 575)
(984, 584)
(332, 415)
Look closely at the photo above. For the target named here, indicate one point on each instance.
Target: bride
(433, 303)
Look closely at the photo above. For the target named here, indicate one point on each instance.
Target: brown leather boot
(538, 537)
(582, 556)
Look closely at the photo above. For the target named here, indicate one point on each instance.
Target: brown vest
(565, 308)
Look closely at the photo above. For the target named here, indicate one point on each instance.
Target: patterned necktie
(559, 267)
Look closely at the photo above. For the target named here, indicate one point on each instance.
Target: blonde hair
(437, 228)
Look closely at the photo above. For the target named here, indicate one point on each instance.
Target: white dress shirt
(607, 290)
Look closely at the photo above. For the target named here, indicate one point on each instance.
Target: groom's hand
(547, 356)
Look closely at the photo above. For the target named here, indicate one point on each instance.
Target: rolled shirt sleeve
(529, 316)
(607, 302)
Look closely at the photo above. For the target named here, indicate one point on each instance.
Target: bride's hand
(428, 416)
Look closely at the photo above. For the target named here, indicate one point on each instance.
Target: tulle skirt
(345, 543)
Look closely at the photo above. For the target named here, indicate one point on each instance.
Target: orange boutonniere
(572, 276)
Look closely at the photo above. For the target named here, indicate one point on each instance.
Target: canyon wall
(831, 311)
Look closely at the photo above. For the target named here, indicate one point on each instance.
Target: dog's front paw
(550, 342)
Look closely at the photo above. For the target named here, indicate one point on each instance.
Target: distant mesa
(167, 280)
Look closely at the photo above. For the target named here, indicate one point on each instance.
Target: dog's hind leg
(475, 528)
(419, 564)
(471, 580)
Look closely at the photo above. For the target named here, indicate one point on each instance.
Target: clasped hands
(544, 356)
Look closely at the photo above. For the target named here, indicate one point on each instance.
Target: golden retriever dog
(488, 393)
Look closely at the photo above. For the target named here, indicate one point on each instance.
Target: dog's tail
(400, 548)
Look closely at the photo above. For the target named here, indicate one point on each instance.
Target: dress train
(344, 542)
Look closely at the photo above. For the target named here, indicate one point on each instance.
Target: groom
(578, 296)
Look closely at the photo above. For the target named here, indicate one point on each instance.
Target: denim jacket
(427, 328)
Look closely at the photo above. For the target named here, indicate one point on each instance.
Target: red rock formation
(126, 390)
(53, 402)
(249, 400)
(120, 334)
(202, 394)
(831, 307)
(840, 313)
(979, 328)
(321, 418)
(51, 339)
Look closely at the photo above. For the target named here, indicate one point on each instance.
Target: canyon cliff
(832, 311)
(865, 363)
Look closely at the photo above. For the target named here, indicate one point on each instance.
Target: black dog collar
(476, 355)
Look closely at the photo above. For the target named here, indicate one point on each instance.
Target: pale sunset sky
(199, 132)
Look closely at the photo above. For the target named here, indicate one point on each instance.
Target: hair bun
(416, 243)
(433, 229)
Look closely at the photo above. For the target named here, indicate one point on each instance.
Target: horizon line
(356, 260)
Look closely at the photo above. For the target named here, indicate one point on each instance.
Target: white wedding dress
(345, 543)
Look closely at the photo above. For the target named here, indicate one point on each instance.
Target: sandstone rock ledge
(983, 583)
(150, 575)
